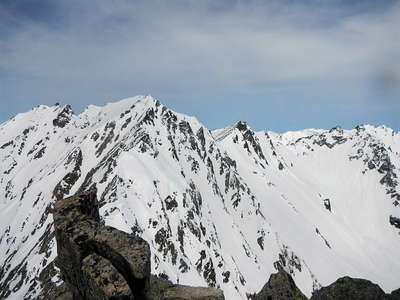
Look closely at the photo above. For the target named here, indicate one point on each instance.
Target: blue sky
(279, 65)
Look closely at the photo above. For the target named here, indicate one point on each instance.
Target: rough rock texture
(91, 256)
(280, 286)
(180, 292)
(101, 262)
(352, 288)
(163, 289)
(50, 288)
(395, 294)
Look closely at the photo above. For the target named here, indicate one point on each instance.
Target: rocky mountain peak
(63, 117)
(216, 208)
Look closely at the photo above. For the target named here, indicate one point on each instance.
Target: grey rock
(101, 262)
(394, 221)
(395, 295)
(350, 288)
(82, 240)
(280, 286)
(181, 292)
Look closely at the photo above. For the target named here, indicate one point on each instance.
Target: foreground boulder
(93, 257)
(101, 262)
(280, 286)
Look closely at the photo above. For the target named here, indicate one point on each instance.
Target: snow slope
(218, 208)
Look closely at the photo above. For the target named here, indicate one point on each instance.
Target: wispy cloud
(243, 43)
(175, 47)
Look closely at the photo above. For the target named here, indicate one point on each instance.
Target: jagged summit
(123, 105)
(217, 208)
(220, 134)
(144, 102)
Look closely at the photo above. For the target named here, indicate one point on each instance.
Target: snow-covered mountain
(218, 208)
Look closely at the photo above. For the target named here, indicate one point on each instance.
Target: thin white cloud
(192, 43)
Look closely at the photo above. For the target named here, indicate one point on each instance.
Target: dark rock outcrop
(327, 204)
(280, 286)
(352, 288)
(92, 257)
(64, 117)
(101, 262)
(394, 221)
(181, 292)
(162, 289)
(395, 295)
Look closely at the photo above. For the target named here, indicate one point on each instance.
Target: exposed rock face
(101, 262)
(162, 289)
(352, 288)
(395, 295)
(63, 117)
(92, 257)
(394, 221)
(180, 292)
(280, 286)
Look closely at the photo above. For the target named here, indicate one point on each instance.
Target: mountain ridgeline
(224, 208)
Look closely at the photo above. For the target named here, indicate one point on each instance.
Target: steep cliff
(104, 263)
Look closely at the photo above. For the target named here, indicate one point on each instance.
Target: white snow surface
(226, 205)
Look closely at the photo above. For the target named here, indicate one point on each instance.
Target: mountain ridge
(215, 212)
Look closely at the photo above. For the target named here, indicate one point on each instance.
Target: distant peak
(241, 125)
(63, 117)
(122, 106)
(220, 134)
(134, 100)
(337, 129)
